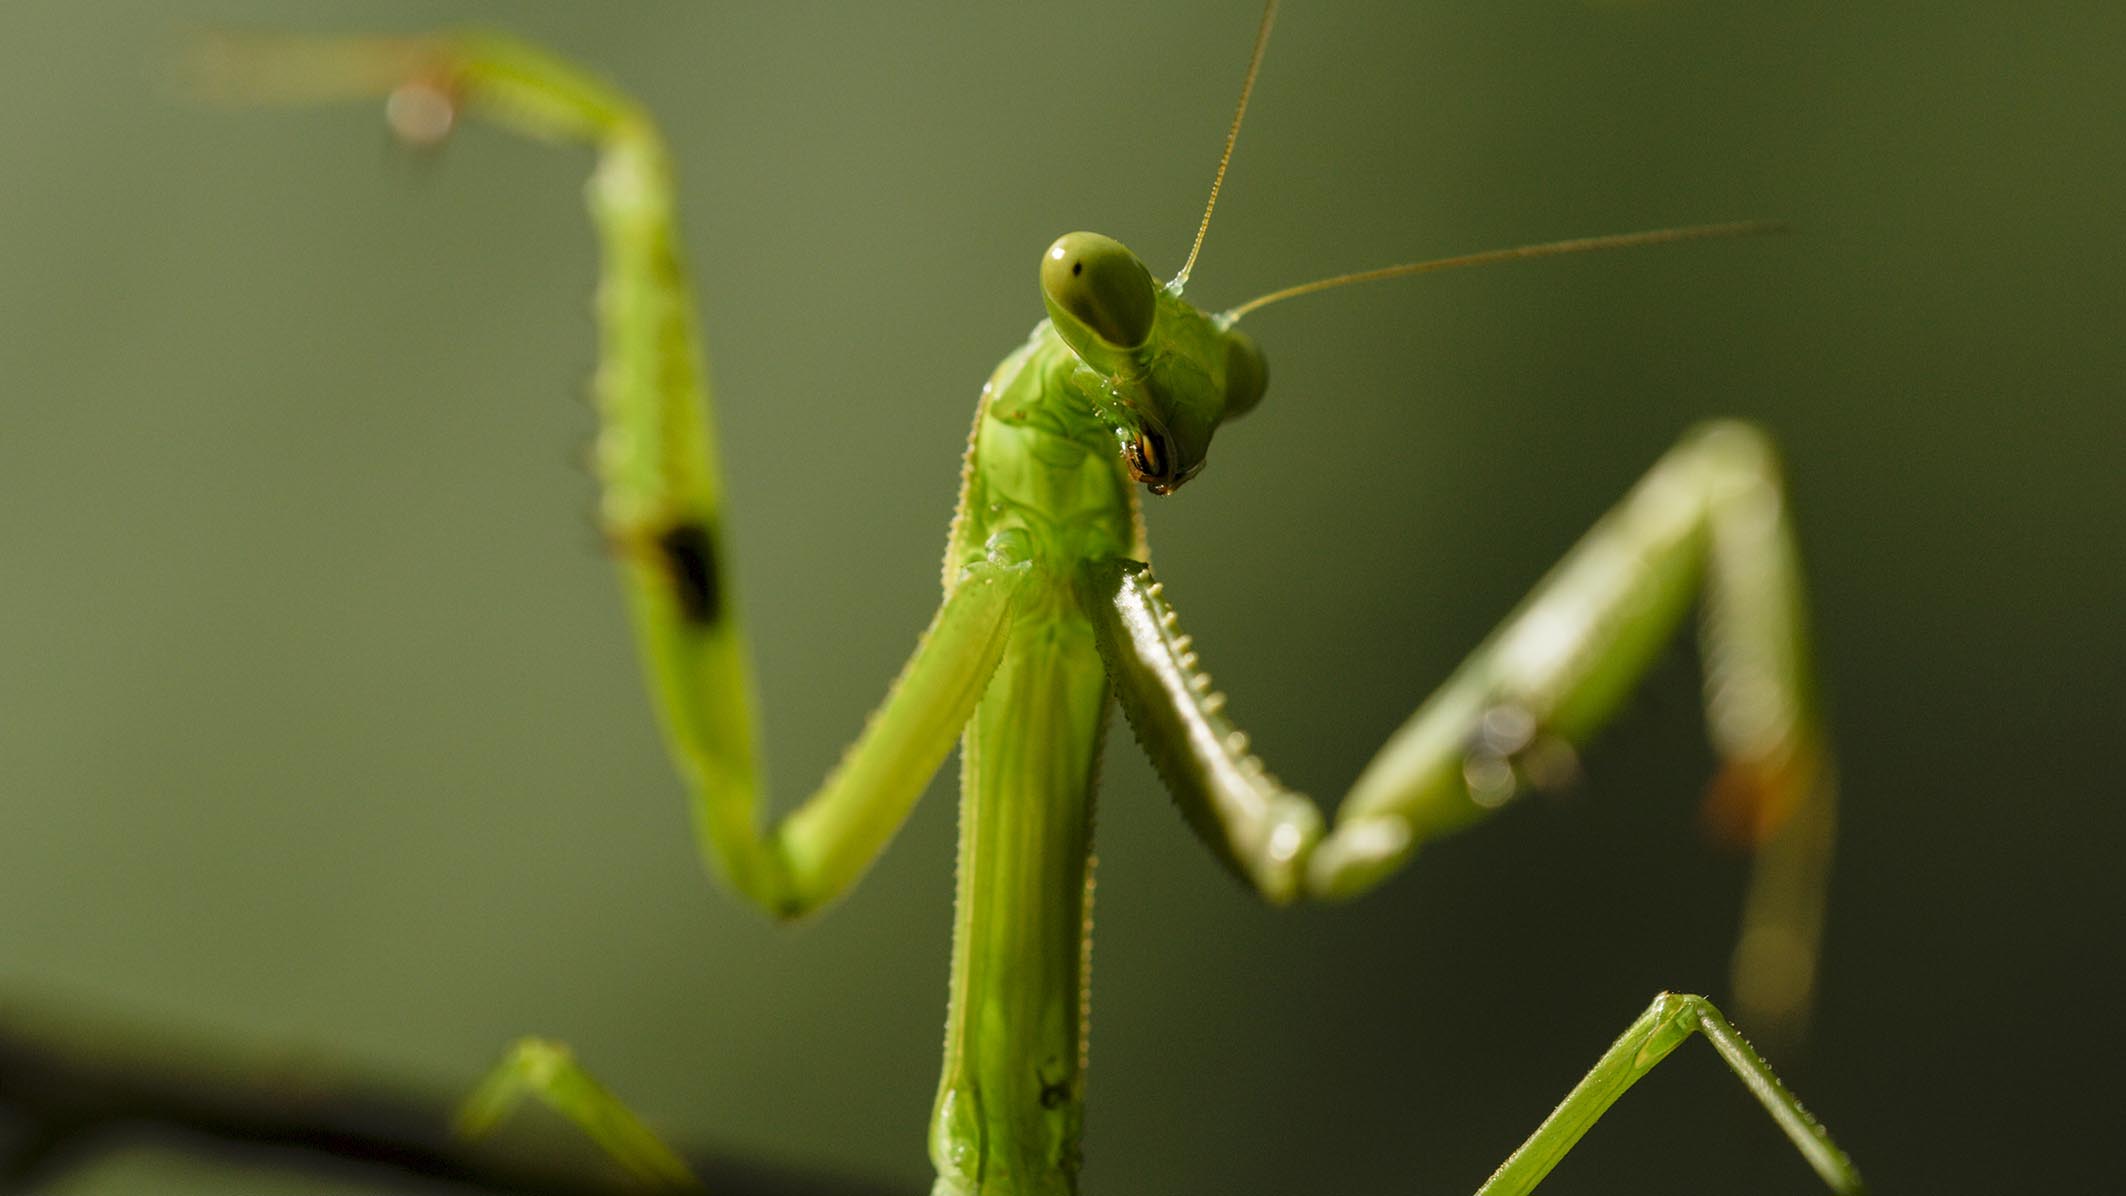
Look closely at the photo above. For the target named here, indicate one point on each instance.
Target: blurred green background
(319, 728)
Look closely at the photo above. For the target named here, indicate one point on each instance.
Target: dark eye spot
(1077, 268)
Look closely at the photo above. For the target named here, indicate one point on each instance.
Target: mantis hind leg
(1671, 1019)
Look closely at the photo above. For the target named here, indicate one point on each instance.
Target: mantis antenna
(1247, 88)
(1659, 236)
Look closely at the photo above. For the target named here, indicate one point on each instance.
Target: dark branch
(69, 1095)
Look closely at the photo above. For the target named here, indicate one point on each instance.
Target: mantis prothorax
(1050, 613)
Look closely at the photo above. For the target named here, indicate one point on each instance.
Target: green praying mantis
(1051, 614)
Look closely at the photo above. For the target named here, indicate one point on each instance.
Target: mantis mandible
(1051, 614)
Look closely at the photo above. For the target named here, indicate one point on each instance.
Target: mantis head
(1170, 374)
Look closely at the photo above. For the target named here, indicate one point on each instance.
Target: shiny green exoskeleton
(1050, 612)
(1122, 384)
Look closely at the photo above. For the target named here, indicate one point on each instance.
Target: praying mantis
(1051, 615)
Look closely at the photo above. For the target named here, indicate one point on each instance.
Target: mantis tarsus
(1050, 612)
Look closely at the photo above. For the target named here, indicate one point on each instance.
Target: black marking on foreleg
(690, 559)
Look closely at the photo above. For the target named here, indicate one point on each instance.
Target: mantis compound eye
(1247, 374)
(1097, 285)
